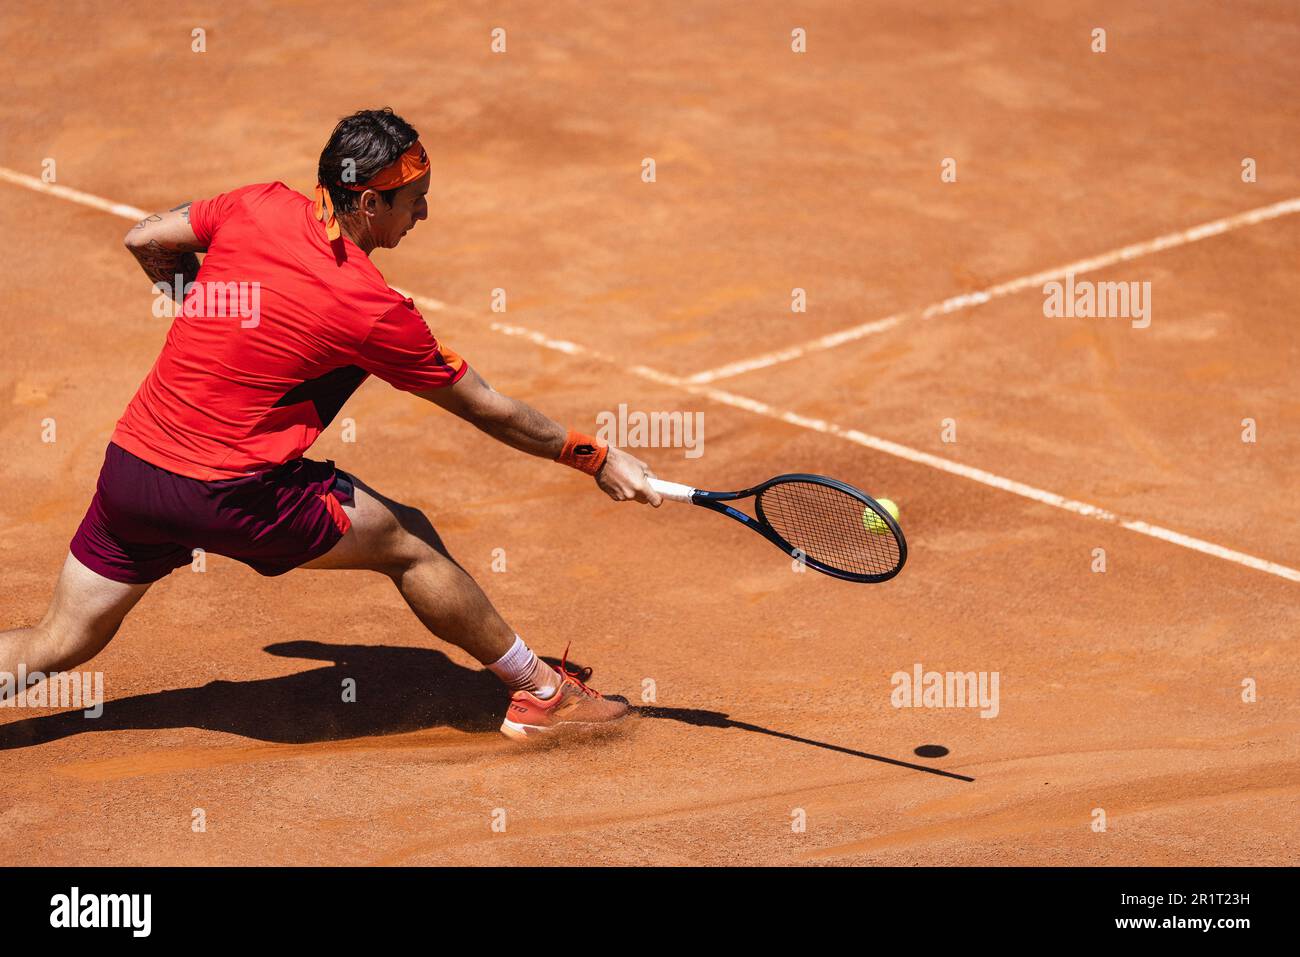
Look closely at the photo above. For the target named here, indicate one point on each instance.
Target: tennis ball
(873, 522)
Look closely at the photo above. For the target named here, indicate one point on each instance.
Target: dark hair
(371, 139)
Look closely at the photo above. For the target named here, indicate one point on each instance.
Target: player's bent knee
(415, 533)
(405, 552)
(410, 549)
(386, 536)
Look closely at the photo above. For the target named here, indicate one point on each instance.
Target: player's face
(389, 224)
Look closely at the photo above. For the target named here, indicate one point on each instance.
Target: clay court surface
(1120, 690)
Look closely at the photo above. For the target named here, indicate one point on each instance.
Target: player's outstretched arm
(164, 245)
(507, 420)
(623, 478)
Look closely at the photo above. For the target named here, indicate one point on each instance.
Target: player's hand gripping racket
(831, 526)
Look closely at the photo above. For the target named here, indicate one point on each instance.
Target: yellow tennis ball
(873, 522)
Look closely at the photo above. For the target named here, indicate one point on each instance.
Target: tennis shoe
(573, 703)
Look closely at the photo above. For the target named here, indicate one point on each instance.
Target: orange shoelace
(577, 677)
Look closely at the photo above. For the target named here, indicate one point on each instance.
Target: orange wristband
(583, 453)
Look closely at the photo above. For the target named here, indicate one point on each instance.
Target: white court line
(74, 195)
(953, 304)
(424, 302)
(781, 415)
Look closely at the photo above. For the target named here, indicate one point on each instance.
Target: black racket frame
(759, 523)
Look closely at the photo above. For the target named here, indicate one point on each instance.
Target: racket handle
(672, 491)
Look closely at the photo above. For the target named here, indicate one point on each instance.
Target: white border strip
(953, 304)
(802, 421)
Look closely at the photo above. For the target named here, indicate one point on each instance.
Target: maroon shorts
(145, 521)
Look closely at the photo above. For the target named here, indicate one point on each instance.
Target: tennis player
(209, 453)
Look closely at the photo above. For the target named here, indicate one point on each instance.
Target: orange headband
(407, 168)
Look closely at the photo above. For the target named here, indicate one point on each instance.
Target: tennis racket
(827, 524)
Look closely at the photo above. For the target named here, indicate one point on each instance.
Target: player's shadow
(397, 690)
(716, 719)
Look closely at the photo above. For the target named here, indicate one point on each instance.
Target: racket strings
(830, 526)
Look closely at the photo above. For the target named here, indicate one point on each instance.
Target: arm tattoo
(163, 264)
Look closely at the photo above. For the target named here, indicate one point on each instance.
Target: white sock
(521, 670)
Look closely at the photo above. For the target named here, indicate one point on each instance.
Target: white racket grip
(672, 491)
